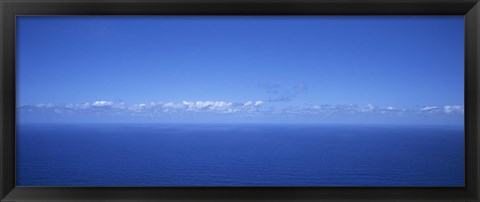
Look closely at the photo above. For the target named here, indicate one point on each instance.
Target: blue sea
(239, 155)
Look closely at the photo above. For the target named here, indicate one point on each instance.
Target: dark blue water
(239, 155)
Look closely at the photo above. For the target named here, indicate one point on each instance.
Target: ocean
(239, 155)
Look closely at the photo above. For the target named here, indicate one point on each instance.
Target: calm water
(239, 155)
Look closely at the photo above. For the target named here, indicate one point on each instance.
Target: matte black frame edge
(11, 8)
(7, 100)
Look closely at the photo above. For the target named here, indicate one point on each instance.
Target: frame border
(9, 9)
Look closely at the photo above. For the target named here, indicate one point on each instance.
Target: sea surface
(239, 155)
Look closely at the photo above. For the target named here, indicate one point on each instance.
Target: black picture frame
(9, 9)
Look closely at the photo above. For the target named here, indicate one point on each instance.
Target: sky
(240, 69)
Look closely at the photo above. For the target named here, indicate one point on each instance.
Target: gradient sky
(312, 69)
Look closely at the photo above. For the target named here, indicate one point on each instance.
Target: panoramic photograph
(240, 101)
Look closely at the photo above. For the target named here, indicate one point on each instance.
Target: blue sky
(307, 69)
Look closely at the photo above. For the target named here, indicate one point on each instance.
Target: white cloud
(137, 107)
(49, 105)
(226, 107)
(453, 109)
(248, 104)
(429, 108)
(102, 103)
(209, 106)
(206, 105)
(171, 105)
(368, 108)
(330, 109)
(77, 106)
(447, 109)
